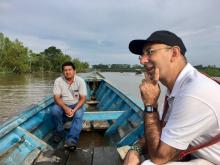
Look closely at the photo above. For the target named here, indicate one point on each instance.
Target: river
(18, 92)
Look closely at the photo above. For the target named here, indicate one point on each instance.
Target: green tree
(2, 51)
(19, 59)
(100, 66)
(14, 56)
(80, 66)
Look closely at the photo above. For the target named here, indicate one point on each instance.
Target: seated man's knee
(79, 113)
(56, 110)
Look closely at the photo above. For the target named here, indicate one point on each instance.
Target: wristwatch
(149, 109)
(136, 148)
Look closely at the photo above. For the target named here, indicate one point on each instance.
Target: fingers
(69, 115)
(143, 81)
(147, 76)
(156, 76)
(70, 112)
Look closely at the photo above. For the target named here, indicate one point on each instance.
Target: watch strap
(136, 148)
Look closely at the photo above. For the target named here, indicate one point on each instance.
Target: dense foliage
(15, 57)
(210, 70)
(19, 59)
(118, 67)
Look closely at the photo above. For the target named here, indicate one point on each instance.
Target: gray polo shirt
(70, 93)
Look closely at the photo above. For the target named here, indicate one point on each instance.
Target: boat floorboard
(92, 149)
(91, 156)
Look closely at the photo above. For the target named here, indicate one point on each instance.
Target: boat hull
(25, 136)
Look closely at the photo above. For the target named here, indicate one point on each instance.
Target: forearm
(60, 102)
(152, 132)
(158, 151)
(80, 103)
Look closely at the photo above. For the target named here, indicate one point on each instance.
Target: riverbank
(213, 72)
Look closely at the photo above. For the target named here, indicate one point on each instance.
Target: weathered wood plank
(106, 155)
(80, 157)
(100, 124)
(53, 157)
(92, 139)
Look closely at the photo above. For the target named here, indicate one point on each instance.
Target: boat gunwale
(14, 122)
(134, 100)
(28, 113)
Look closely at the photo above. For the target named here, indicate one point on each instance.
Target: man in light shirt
(193, 116)
(69, 94)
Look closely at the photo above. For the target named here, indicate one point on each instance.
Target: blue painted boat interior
(25, 136)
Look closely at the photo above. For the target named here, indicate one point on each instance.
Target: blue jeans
(59, 118)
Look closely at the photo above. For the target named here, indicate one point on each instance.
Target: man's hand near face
(150, 89)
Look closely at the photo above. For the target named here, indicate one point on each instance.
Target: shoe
(70, 144)
(57, 137)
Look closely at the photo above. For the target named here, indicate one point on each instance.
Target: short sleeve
(82, 88)
(56, 88)
(189, 119)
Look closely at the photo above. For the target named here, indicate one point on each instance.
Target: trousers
(59, 118)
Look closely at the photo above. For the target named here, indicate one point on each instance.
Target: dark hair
(68, 63)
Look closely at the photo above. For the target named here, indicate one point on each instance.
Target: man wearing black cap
(193, 108)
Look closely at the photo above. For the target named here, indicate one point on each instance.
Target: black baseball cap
(162, 36)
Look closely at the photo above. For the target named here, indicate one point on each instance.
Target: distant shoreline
(214, 72)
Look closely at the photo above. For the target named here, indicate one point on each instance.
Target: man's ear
(176, 53)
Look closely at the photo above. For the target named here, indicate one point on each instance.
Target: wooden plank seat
(102, 115)
(92, 102)
(97, 119)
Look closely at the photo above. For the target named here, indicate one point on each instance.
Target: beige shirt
(70, 94)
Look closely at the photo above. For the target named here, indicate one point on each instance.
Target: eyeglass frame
(151, 51)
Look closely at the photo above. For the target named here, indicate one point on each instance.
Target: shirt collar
(181, 77)
(74, 79)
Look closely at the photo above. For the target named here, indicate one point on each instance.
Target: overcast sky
(99, 31)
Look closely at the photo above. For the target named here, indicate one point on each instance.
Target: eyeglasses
(150, 51)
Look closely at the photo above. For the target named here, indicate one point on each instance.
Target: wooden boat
(26, 138)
